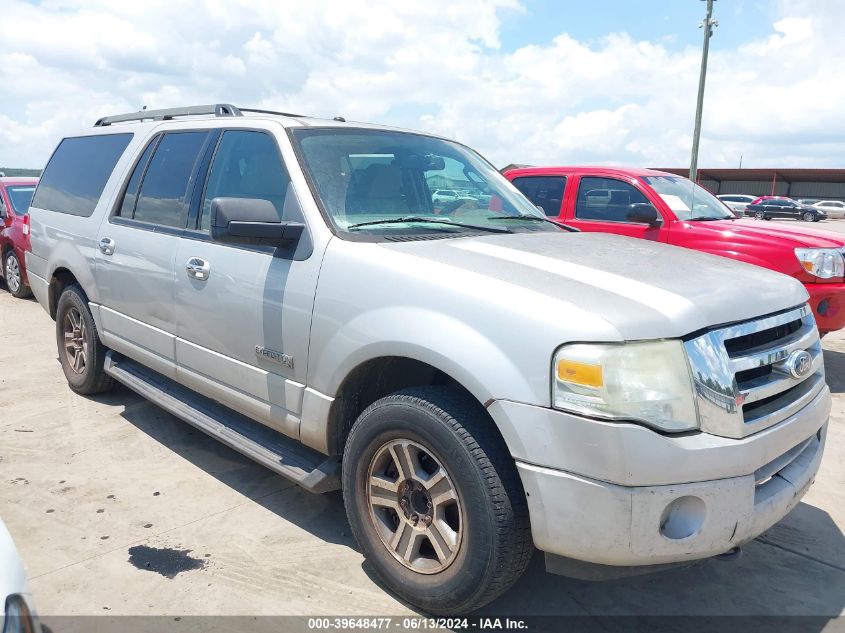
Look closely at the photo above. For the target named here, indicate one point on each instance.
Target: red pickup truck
(667, 208)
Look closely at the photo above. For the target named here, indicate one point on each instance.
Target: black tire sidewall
(72, 297)
(461, 581)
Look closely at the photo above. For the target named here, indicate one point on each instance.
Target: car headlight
(650, 383)
(824, 263)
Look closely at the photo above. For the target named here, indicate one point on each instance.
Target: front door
(137, 245)
(604, 204)
(244, 312)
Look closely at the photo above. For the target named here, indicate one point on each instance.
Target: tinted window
(20, 197)
(544, 191)
(246, 165)
(163, 198)
(127, 207)
(76, 175)
(606, 199)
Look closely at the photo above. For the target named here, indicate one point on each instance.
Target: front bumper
(659, 510)
(828, 303)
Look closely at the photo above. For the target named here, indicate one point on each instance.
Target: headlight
(648, 383)
(824, 263)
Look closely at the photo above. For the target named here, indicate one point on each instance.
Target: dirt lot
(93, 489)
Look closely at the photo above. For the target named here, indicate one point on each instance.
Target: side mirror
(644, 213)
(251, 221)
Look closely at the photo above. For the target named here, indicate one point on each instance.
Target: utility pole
(707, 25)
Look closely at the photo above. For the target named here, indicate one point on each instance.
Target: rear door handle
(107, 246)
(198, 268)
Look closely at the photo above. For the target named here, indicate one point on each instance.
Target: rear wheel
(14, 276)
(759, 215)
(80, 351)
(434, 500)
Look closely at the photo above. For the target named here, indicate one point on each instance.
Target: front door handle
(198, 268)
(107, 246)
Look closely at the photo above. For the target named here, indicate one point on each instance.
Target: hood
(754, 232)
(643, 289)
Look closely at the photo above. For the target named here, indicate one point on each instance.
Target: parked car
(663, 207)
(472, 381)
(444, 195)
(785, 208)
(737, 202)
(833, 208)
(15, 196)
(807, 200)
(18, 614)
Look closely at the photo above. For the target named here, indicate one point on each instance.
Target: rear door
(137, 246)
(604, 203)
(244, 322)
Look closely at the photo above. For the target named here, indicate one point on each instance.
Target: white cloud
(431, 65)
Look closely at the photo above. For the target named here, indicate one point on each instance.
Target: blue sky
(674, 22)
(522, 81)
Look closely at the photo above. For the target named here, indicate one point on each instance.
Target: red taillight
(25, 227)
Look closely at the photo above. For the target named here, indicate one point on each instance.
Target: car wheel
(14, 276)
(81, 353)
(808, 217)
(434, 500)
(759, 215)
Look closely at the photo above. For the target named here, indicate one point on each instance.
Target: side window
(76, 175)
(606, 199)
(544, 191)
(163, 197)
(247, 164)
(127, 207)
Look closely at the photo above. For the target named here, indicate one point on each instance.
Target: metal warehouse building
(824, 184)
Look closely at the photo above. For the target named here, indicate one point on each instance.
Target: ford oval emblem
(799, 363)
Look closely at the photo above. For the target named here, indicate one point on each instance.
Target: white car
(18, 615)
(737, 202)
(833, 208)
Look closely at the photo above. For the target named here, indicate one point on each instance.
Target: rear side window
(545, 192)
(20, 197)
(606, 199)
(76, 175)
(247, 164)
(165, 186)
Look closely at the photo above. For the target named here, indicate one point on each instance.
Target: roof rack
(257, 111)
(217, 109)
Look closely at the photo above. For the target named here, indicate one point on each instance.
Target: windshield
(687, 200)
(20, 197)
(384, 183)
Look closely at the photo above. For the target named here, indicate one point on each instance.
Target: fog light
(682, 518)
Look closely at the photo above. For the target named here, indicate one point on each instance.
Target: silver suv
(477, 379)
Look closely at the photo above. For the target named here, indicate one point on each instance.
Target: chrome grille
(752, 375)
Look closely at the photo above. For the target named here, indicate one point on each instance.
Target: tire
(13, 273)
(808, 217)
(83, 366)
(759, 215)
(484, 542)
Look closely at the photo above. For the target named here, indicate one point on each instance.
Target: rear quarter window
(76, 175)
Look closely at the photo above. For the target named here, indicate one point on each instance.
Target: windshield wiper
(707, 218)
(413, 218)
(534, 218)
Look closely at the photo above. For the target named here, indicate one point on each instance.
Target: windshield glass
(687, 200)
(378, 182)
(20, 197)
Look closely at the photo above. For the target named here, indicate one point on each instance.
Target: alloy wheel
(414, 506)
(76, 340)
(13, 273)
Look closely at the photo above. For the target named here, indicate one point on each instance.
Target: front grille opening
(750, 374)
(748, 409)
(736, 346)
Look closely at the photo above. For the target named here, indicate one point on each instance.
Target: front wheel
(81, 353)
(809, 217)
(434, 500)
(14, 276)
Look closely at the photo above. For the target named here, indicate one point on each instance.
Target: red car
(664, 207)
(15, 196)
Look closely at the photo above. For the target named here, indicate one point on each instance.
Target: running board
(308, 468)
